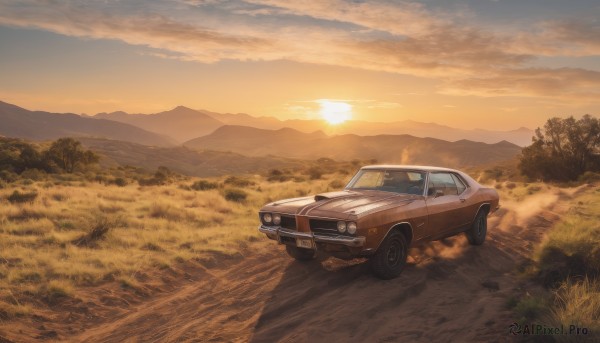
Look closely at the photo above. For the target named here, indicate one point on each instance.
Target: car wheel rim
(394, 253)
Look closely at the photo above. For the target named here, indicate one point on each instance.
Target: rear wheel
(389, 261)
(300, 254)
(476, 234)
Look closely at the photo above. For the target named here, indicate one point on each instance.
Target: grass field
(79, 234)
(62, 236)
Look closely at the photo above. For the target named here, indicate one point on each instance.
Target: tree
(68, 153)
(563, 150)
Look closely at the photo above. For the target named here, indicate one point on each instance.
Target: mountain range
(38, 125)
(395, 149)
(201, 139)
(183, 124)
(180, 123)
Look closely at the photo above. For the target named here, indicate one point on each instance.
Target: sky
(494, 64)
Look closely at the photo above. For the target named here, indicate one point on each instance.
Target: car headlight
(276, 219)
(341, 226)
(351, 228)
(267, 218)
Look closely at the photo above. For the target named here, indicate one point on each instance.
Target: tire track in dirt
(268, 297)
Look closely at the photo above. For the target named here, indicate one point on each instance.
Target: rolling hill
(180, 123)
(183, 160)
(400, 149)
(37, 125)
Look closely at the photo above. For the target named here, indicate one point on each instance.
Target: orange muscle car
(382, 211)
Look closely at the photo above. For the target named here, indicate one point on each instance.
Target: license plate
(304, 243)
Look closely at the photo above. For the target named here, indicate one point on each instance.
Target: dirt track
(267, 297)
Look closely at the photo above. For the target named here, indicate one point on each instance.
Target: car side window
(443, 182)
(460, 186)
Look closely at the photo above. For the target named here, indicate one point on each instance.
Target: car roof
(410, 167)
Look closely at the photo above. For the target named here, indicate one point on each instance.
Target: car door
(465, 208)
(443, 204)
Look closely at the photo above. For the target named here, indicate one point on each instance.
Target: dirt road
(449, 292)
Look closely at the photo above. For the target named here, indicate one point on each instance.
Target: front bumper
(276, 232)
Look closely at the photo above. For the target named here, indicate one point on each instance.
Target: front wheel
(476, 234)
(300, 254)
(389, 261)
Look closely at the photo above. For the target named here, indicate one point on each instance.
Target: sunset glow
(466, 64)
(335, 112)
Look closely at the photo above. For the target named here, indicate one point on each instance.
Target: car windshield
(398, 181)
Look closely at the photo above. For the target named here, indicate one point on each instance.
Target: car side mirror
(439, 193)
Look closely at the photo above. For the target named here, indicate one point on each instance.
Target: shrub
(121, 182)
(235, 195)
(336, 184)
(34, 174)
(279, 178)
(151, 181)
(204, 185)
(589, 177)
(315, 173)
(18, 197)
(98, 231)
(531, 307)
(8, 176)
(238, 182)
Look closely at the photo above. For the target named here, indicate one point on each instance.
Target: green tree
(563, 150)
(68, 154)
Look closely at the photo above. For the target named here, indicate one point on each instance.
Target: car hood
(340, 204)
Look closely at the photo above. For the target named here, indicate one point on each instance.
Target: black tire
(390, 259)
(300, 254)
(476, 234)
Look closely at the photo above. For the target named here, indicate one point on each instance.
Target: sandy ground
(449, 292)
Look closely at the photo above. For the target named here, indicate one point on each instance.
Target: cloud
(562, 84)
(392, 36)
(192, 42)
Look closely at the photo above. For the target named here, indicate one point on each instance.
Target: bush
(8, 176)
(279, 178)
(152, 181)
(34, 174)
(18, 197)
(121, 182)
(204, 185)
(235, 195)
(336, 184)
(315, 173)
(99, 229)
(589, 177)
(238, 182)
(531, 307)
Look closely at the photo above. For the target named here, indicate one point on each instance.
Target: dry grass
(76, 235)
(578, 304)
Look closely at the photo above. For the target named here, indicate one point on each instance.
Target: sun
(335, 112)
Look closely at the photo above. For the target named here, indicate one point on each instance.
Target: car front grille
(324, 226)
(288, 222)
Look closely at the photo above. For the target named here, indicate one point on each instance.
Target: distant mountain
(521, 136)
(401, 149)
(256, 142)
(183, 160)
(180, 123)
(37, 125)
(183, 124)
